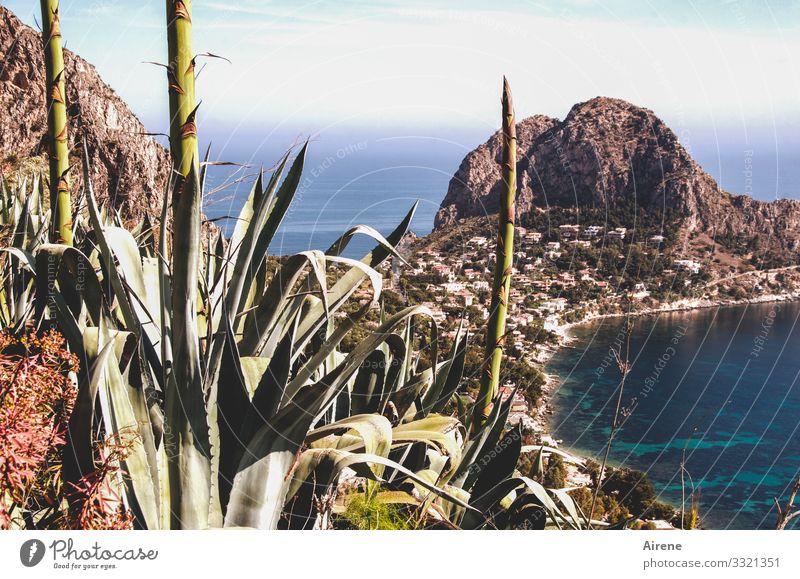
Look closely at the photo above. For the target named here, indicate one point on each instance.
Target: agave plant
(24, 220)
(286, 411)
(226, 376)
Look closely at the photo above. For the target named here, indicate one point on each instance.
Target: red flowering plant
(37, 395)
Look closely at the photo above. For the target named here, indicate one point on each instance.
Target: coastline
(543, 412)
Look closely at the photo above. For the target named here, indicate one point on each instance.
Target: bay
(720, 384)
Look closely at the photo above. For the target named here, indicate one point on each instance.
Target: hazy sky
(324, 65)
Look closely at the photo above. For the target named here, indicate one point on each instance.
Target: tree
(555, 474)
(632, 488)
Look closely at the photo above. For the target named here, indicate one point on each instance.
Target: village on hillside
(571, 274)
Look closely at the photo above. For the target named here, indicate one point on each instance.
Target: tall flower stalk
(58, 147)
(495, 333)
(188, 445)
(180, 72)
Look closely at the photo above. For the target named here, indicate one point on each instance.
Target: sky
(712, 69)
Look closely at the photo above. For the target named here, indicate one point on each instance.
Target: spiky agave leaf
(188, 439)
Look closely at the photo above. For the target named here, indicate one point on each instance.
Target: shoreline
(543, 413)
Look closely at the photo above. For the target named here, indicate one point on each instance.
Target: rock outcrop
(604, 151)
(129, 168)
(475, 188)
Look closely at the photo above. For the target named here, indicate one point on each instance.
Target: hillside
(609, 153)
(128, 167)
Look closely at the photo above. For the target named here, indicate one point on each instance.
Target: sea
(712, 394)
(728, 404)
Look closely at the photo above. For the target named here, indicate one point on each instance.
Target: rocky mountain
(606, 151)
(128, 167)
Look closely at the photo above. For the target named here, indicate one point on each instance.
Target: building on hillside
(472, 274)
(688, 265)
(453, 287)
(617, 234)
(569, 231)
(592, 231)
(465, 297)
(443, 273)
(555, 305)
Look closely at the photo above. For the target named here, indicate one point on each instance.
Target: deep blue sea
(720, 384)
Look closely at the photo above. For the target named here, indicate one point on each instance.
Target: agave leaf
(499, 463)
(541, 493)
(364, 348)
(117, 401)
(369, 382)
(188, 439)
(407, 392)
(128, 258)
(233, 402)
(340, 244)
(78, 455)
(267, 313)
(270, 389)
(318, 360)
(374, 431)
(351, 280)
(260, 487)
(106, 253)
(242, 242)
(569, 505)
(343, 459)
(71, 270)
(26, 258)
(448, 379)
(442, 432)
(482, 443)
(278, 208)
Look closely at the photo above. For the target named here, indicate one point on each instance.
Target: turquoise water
(721, 383)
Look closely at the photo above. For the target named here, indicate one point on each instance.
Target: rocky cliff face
(128, 167)
(604, 151)
(475, 188)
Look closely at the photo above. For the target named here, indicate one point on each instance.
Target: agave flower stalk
(180, 73)
(495, 332)
(188, 440)
(56, 123)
